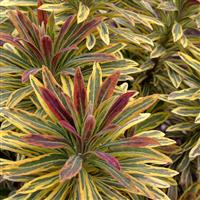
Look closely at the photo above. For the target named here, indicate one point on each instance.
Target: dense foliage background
(100, 99)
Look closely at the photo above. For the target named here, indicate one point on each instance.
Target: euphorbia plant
(79, 151)
(38, 41)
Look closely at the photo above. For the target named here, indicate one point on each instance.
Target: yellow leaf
(83, 12)
(177, 31)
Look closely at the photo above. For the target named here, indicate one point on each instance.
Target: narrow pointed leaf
(187, 111)
(184, 94)
(94, 82)
(42, 15)
(117, 107)
(195, 151)
(71, 129)
(197, 119)
(104, 33)
(107, 87)
(122, 178)
(177, 31)
(46, 181)
(90, 41)
(80, 96)
(64, 29)
(109, 159)
(47, 45)
(86, 187)
(55, 105)
(46, 141)
(158, 51)
(136, 141)
(89, 126)
(175, 78)
(71, 168)
(18, 95)
(67, 85)
(83, 12)
(195, 64)
(26, 74)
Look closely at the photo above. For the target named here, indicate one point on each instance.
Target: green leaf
(188, 111)
(177, 31)
(18, 95)
(184, 126)
(167, 5)
(184, 73)
(152, 122)
(190, 61)
(119, 176)
(153, 155)
(132, 37)
(175, 78)
(184, 41)
(94, 82)
(135, 107)
(87, 189)
(34, 166)
(158, 51)
(104, 33)
(42, 182)
(11, 141)
(59, 192)
(90, 41)
(36, 85)
(195, 151)
(125, 126)
(83, 12)
(67, 85)
(28, 122)
(189, 94)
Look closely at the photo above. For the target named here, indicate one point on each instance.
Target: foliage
(79, 148)
(168, 34)
(39, 41)
(155, 45)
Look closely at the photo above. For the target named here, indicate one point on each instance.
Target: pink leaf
(55, 106)
(107, 88)
(117, 107)
(42, 15)
(46, 141)
(80, 95)
(27, 73)
(89, 126)
(111, 160)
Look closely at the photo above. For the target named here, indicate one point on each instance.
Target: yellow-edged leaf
(195, 151)
(188, 111)
(40, 183)
(104, 33)
(90, 41)
(36, 86)
(197, 120)
(177, 31)
(94, 83)
(175, 78)
(18, 95)
(190, 61)
(83, 12)
(71, 168)
(87, 189)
